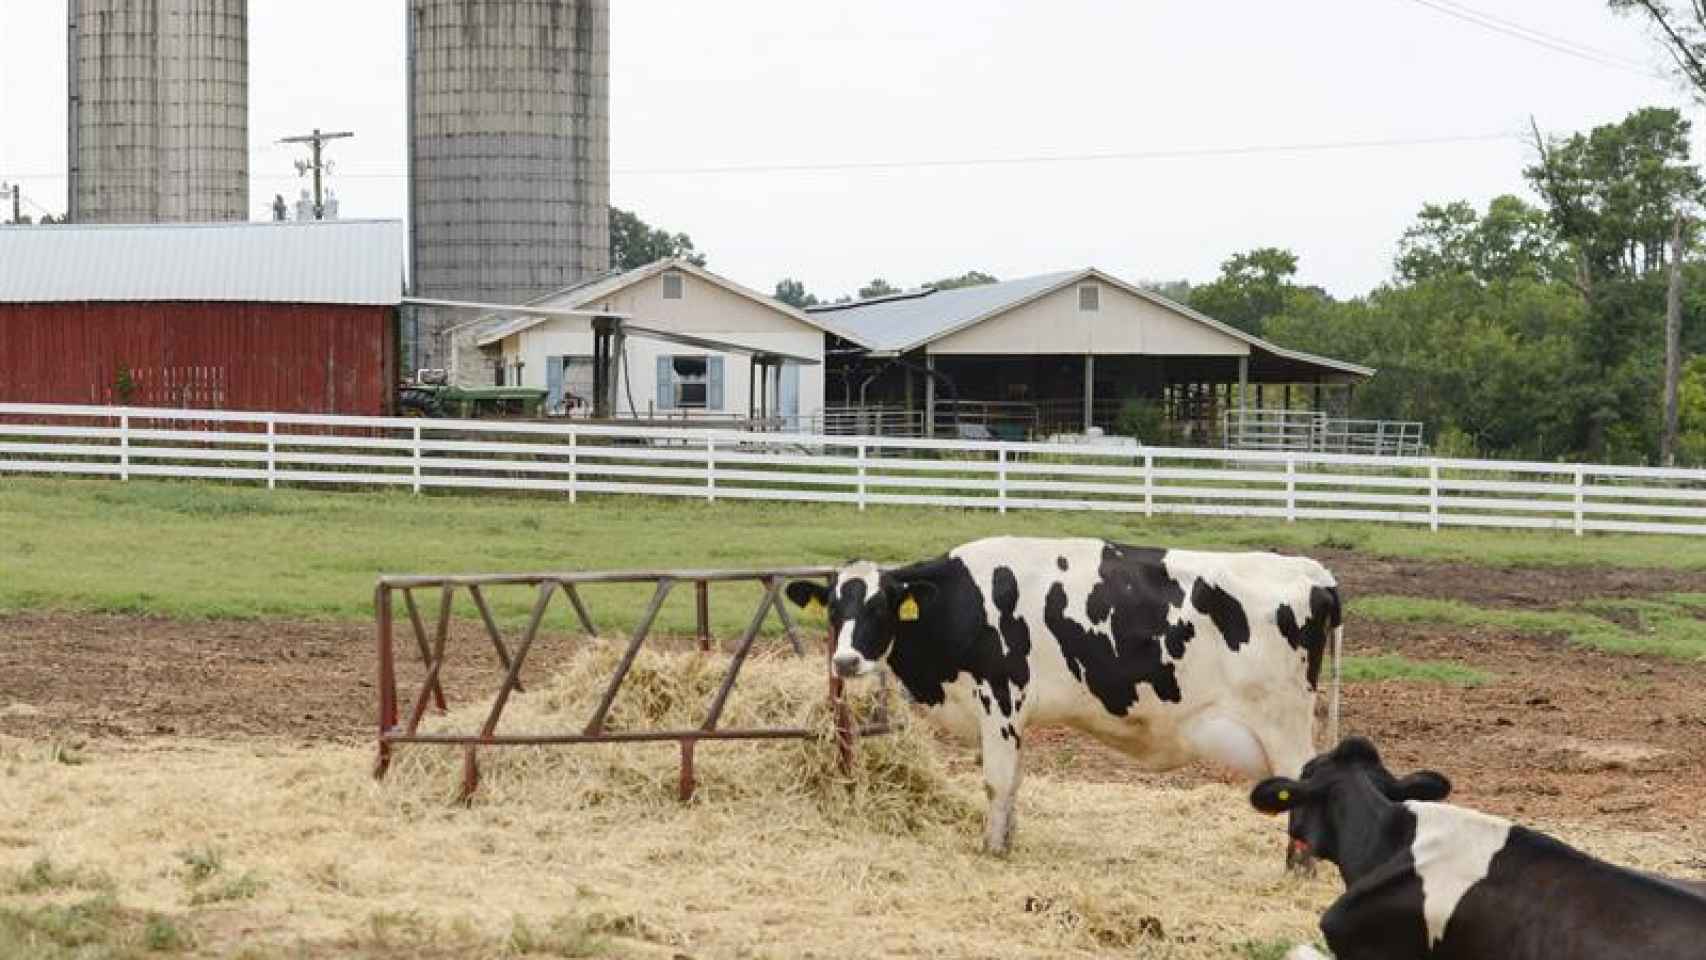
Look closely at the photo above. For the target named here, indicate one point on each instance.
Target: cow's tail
(1333, 698)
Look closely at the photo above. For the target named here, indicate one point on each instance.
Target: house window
(691, 381)
(1089, 298)
(672, 286)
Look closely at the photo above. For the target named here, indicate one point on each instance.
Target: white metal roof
(902, 322)
(330, 261)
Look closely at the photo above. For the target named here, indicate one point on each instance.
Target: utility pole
(315, 141)
(16, 211)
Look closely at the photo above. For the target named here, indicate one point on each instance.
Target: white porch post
(930, 396)
(1243, 393)
(1089, 391)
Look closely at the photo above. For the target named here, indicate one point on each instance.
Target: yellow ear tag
(814, 606)
(1285, 796)
(908, 610)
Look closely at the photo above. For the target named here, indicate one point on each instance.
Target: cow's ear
(914, 598)
(1276, 795)
(1424, 785)
(805, 593)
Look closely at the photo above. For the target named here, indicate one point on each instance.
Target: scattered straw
(584, 850)
(897, 783)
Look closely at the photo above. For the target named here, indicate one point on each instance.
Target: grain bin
(159, 110)
(509, 150)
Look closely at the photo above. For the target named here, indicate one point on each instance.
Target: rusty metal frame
(396, 729)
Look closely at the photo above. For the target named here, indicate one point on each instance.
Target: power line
(1511, 28)
(1189, 153)
(1135, 155)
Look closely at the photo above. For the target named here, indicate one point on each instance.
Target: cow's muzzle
(1299, 858)
(848, 664)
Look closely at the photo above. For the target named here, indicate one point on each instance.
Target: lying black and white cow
(1440, 882)
(1167, 655)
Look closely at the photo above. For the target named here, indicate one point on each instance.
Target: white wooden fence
(574, 459)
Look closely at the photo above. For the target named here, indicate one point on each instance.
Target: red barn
(295, 317)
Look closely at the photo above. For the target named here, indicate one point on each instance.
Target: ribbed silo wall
(159, 110)
(509, 150)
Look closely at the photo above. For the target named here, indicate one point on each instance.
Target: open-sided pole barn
(1059, 352)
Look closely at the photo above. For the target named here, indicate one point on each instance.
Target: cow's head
(1337, 808)
(865, 606)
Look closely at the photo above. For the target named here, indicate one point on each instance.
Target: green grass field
(203, 550)
(1667, 625)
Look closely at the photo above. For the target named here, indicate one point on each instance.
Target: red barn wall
(285, 357)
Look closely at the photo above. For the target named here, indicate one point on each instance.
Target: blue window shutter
(714, 383)
(666, 382)
(791, 393)
(553, 383)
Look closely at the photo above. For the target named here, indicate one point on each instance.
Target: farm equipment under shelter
(461, 403)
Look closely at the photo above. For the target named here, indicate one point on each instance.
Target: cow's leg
(1228, 742)
(1000, 780)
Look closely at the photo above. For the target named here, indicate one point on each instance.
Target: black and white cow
(1167, 655)
(1432, 881)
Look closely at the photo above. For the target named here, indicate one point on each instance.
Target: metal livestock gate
(296, 357)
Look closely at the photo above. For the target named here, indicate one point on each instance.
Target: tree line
(1525, 328)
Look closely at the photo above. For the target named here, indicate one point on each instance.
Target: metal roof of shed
(329, 261)
(902, 322)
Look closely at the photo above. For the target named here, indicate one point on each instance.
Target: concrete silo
(159, 110)
(509, 150)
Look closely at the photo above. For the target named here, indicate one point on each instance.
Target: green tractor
(438, 401)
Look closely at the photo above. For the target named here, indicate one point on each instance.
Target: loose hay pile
(586, 846)
(897, 781)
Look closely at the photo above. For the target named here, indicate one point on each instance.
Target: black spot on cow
(1061, 563)
(1311, 635)
(952, 635)
(1225, 610)
(983, 698)
(1179, 634)
(1121, 646)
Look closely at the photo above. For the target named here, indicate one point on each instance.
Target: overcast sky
(741, 83)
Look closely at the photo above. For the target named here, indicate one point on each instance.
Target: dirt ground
(1558, 732)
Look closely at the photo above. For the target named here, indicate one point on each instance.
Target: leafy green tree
(971, 278)
(1619, 196)
(793, 293)
(877, 288)
(1513, 240)
(635, 243)
(1252, 287)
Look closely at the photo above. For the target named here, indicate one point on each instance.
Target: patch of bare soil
(1361, 575)
(1559, 733)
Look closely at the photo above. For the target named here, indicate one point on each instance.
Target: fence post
(272, 453)
(1290, 489)
(124, 446)
(417, 458)
(1149, 484)
(1001, 479)
(711, 469)
(1433, 495)
(861, 476)
(574, 463)
(1581, 480)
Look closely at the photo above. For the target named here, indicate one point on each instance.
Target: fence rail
(710, 464)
